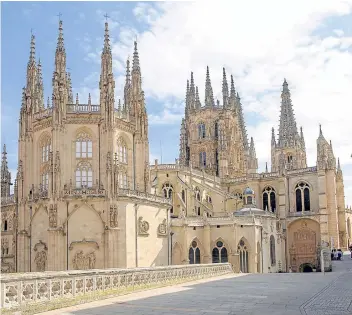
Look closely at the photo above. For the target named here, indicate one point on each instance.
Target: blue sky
(308, 44)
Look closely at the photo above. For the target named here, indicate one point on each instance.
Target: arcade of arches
(303, 239)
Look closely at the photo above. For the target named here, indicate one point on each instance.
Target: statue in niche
(83, 262)
(40, 260)
(143, 226)
(113, 216)
(162, 228)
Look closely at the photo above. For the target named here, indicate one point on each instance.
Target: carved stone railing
(43, 114)
(83, 108)
(8, 200)
(143, 196)
(84, 191)
(19, 290)
(38, 192)
(312, 169)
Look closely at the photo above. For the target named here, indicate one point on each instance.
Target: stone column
(111, 248)
(207, 251)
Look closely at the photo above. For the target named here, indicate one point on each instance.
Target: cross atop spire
(106, 17)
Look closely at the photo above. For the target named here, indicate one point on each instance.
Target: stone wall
(20, 290)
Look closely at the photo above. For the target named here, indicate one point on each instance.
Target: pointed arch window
(194, 253)
(201, 131)
(197, 194)
(84, 175)
(123, 183)
(45, 149)
(243, 255)
(216, 130)
(219, 254)
(202, 159)
(168, 190)
(272, 251)
(269, 199)
(122, 151)
(302, 191)
(84, 146)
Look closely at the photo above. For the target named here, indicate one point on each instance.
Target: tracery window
(219, 254)
(201, 131)
(269, 199)
(45, 150)
(122, 151)
(194, 253)
(272, 251)
(84, 146)
(167, 190)
(84, 175)
(302, 197)
(123, 183)
(243, 255)
(202, 159)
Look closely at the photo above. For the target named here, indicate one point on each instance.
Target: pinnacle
(135, 65)
(60, 41)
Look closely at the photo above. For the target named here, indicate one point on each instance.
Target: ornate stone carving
(113, 216)
(83, 262)
(53, 216)
(40, 260)
(143, 227)
(84, 241)
(162, 228)
(4, 246)
(40, 243)
(57, 162)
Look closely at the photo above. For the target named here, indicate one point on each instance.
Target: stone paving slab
(263, 294)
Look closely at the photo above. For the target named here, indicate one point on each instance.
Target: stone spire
(31, 68)
(288, 134)
(339, 175)
(303, 143)
(225, 88)
(107, 83)
(198, 103)
(136, 72)
(60, 55)
(192, 93)
(252, 158)
(187, 100)
(242, 122)
(325, 154)
(273, 141)
(69, 88)
(5, 175)
(39, 88)
(128, 87)
(209, 96)
(266, 167)
(183, 143)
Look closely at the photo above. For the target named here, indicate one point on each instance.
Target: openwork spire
(209, 96)
(107, 48)
(232, 91)
(60, 40)
(242, 122)
(128, 72)
(288, 134)
(31, 68)
(4, 166)
(225, 88)
(5, 175)
(40, 87)
(32, 51)
(273, 140)
(198, 103)
(135, 66)
(192, 93)
(69, 88)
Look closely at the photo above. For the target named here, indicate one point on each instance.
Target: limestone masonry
(85, 196)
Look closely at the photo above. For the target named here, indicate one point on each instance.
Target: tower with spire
(288, 152)
(213, 137)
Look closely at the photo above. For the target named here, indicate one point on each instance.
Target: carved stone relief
(40, 260)
(53, 216)
(83, 262)
(162, 228)
(143, 227)
(113, 216)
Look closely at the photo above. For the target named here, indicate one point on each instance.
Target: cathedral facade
(224, 210)
(86, 197)
(82, 196)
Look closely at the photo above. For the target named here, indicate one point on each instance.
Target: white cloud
(260, 43)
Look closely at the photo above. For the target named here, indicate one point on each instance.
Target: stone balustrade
(97, 190)
(48, 112)
(83, 108)
(143, 196)
(312, 169)
(37, 288)
(8, 200)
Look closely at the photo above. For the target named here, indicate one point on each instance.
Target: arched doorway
(303, 239)
(306, 268)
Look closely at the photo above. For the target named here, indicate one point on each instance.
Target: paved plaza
(281, 294)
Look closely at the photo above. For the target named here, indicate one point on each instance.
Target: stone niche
(83, 254)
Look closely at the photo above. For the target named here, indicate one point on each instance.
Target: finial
(4, 149)
(266, 167)
(77, 102)
(89, 99)
(60, 40)
(106, 38)
(320, 131)
(135, 65)
(338, 164)
(32, 50)
(59, 15)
